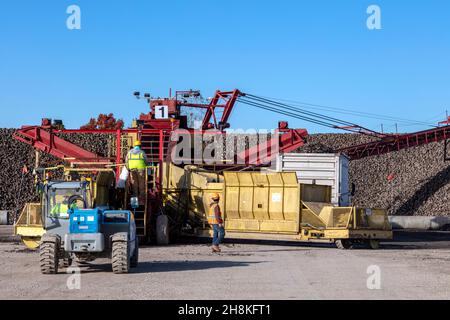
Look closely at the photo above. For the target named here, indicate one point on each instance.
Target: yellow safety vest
(213, 217)
(136, 160)
(61, 208)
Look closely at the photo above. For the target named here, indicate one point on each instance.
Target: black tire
(344, 244)
(162, 230)
(374, 244)
(48, 257)
(120, 257)
(135, 258)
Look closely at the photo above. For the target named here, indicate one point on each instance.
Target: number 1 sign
(161, 112)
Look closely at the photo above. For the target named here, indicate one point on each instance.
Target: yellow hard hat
(215, 196)
(137, 143)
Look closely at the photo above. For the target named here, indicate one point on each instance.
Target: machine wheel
(120, 256)
(135, 257)
(162, 230)
(374, 244)
(344, 244)
(48, 256)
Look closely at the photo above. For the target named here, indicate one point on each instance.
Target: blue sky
(316, 51)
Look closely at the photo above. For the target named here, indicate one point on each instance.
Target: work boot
(215, 249)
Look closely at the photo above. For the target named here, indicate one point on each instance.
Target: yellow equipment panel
(265, 202)
(268, 203)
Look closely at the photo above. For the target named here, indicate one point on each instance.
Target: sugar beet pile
(17, 188)
(413, 181)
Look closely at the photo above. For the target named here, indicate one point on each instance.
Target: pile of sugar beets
(413, 181)
(409, 182)
(17, 186)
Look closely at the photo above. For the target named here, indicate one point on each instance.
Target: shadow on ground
(403, 239)
(170, 266)
(281, 243)
(417, 240)
(421, 236)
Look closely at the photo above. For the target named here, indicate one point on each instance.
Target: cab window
(58, 202)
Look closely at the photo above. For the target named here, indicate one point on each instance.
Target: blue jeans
(218, 235)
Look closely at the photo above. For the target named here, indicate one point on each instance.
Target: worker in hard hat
(62, 207)
(216, 221)
(136, 162)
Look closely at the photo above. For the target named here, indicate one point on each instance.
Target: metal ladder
(141, 213)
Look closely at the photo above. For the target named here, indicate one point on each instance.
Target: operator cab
(60, 196)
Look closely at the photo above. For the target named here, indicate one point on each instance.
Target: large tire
(120, 256)
(49, 256)
(344, 244)
(135, 257)
(162, 230)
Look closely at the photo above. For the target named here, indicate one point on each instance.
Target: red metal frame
(285, 140)
(43, 137)
(396, 143)
(362, 130)
(174, 104)
(118, 149)
(230, 98)
(161, 158)
(446, 122)
(48, 142)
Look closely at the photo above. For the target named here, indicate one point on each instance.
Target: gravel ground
(411, 268)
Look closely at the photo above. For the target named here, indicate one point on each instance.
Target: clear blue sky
(317, 51)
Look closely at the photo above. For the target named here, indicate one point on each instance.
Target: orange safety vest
(214, 216)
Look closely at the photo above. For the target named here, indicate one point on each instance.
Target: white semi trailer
(319, 168)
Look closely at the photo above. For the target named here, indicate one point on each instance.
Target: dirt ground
(415, 266)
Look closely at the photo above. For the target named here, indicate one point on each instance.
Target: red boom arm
(48, 142)
(396, 143)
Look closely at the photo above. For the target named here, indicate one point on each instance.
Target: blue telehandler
(77, 230)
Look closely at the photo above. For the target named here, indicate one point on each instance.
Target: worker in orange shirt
(216, 221)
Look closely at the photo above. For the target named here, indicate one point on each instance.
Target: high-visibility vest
(61, 208)
(214, 215)
(136, 160)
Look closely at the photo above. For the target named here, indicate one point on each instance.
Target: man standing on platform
(136, 162)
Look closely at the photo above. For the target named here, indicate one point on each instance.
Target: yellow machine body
(29, 225)
(265, 205)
